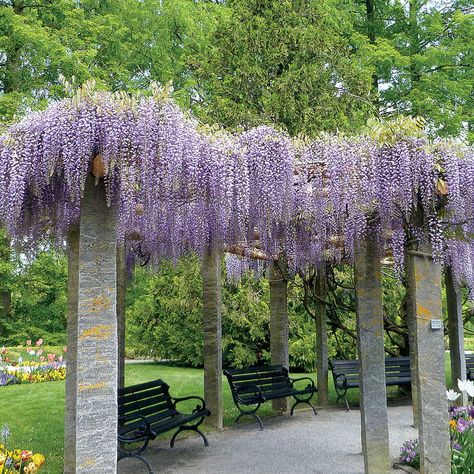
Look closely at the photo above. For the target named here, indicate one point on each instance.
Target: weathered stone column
(121, 294)
(71, 366)
(370, 344)
(455, 329)
(97, 355)
(279, 323)
(430, 375)
(211, 299)
(321, 339)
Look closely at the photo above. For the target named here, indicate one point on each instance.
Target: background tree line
(306, 66)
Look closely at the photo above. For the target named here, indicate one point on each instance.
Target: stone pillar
(455, 329)
(97, 355)
(279, 323)
(411, 325)
(71, 366)
(121, 294)
(370, 344)
(435, 453)
(211, 299)
(321, 339)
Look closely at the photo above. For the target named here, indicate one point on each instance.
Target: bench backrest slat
(150, 399)
(266, 378)
(396, 368)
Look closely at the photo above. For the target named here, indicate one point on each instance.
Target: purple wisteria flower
(178, 188)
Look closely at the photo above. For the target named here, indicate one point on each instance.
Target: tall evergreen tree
(290, 62)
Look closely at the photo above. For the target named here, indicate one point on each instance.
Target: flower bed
(13, 461)
(30, 365)
(461, 428)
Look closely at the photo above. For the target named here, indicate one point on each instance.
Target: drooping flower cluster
(177, 189)
(237, 267)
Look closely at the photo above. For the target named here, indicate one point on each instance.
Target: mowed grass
(35, 412)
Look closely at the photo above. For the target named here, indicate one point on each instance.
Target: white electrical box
(436, 324)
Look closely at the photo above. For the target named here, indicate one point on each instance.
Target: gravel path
(328, 443)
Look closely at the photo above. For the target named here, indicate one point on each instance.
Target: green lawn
(34, 412)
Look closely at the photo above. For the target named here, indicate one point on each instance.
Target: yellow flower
(31, 468)
(2, 458)
(38, 459)
(452, 424)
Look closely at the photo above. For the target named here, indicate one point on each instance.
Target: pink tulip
(60, 358)
(65, 349)
(4, 350)
(51, 357)
(28, 342)
(42, 358)
(39, 352)
(39, 342)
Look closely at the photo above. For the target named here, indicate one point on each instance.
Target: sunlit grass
(35, 412)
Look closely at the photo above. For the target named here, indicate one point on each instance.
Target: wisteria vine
(178, 189)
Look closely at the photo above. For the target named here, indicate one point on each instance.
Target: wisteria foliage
(178, 189)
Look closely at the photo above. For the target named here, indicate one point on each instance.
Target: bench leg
(257, 418)
(340, 396)
(307, 402)
(189, 428)
(123, 455)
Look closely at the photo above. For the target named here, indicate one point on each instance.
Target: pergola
(103, 170)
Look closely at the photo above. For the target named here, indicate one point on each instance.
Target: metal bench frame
(395, 367)
(261, 392)
(469, 366)
(144, 433)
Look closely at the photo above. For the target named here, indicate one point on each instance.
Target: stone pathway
(328, 443)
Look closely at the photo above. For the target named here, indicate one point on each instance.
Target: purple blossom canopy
(179, 188)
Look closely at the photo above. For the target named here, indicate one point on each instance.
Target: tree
(290, 62)
(123, 45)
(422, 54)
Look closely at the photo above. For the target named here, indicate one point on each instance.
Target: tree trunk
(211, 299)
(455, 329)
(321, 338)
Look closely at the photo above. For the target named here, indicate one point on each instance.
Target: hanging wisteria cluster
(178, 189)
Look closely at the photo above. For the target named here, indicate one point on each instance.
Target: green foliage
(245, 316)
(38, 300)
(164, 319)
(422, 58)
(289, 62)
(164, 316)
(123, 45)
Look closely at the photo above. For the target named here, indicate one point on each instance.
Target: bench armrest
(143, 430)
(310, 385)
(257, 389)
(200, 407)
(342, 383)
